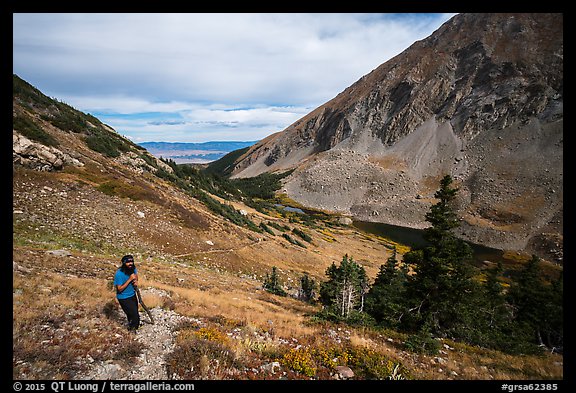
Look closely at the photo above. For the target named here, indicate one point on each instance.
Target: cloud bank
(199, 77)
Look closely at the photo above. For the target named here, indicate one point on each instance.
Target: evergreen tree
(554, 334)
(272, 283)
(346, 287)
(307, 288)
(441, 290)
(497, 310)
(385, 300)
(492, 325)
(537, 305)
(442, 215)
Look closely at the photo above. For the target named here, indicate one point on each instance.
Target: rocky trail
(154, 340)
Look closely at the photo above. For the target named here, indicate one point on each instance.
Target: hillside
(83, 196)
(480, 99)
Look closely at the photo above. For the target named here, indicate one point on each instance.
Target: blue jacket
(120, 278)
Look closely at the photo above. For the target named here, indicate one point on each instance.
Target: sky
(198, 77)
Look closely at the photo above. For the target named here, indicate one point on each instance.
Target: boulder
(37, 156)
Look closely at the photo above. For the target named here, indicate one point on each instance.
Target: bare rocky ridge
(480, 99)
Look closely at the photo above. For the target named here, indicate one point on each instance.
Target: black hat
(127, 258)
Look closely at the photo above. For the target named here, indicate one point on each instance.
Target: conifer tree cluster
(346, 288)
(384, 299)
(436, 293)
(443, 297)
(307, 291)
(273, 284)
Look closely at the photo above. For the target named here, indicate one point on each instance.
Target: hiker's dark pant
(130, 307)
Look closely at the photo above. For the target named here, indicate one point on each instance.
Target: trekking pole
(139, 296)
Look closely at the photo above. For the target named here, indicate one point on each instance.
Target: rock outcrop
(38, 156)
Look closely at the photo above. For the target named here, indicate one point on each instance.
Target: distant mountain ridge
(212, 145)
(190, 152)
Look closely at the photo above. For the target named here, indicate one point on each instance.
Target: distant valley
(194, 153)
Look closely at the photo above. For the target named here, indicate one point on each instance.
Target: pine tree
(492, 325)
(385, 300)
(496, 311)
(441, 215)
(441, 289)
(537, 305)
(272, 283)
(346, 287)
(307, 288)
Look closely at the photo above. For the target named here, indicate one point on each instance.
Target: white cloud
(206, 123)
(119, 104)
(199, 66)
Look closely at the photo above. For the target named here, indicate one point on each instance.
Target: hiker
(125, 279)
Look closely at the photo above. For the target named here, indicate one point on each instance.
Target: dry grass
(260, 309)
(152, 300)
(64, 310)
(60, 318)
(389, 162)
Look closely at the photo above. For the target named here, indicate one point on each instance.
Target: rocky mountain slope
(480, 99)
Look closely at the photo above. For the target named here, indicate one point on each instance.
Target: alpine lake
(414, 238)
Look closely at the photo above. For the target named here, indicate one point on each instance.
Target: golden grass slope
(66, 317)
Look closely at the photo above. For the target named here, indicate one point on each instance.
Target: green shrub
(359, 318)
(226, 211)
(106, 144)
(302, 234)
(327, 314)
(27, 127)
(279, 227)
(293, 241)
(267, 229)
(370, 364)
(28, 94)
(299, 360)
(110, 187)
(68, 121)
(262, 186)
(422, 342)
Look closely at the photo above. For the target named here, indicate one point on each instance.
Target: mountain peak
(480, 99)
